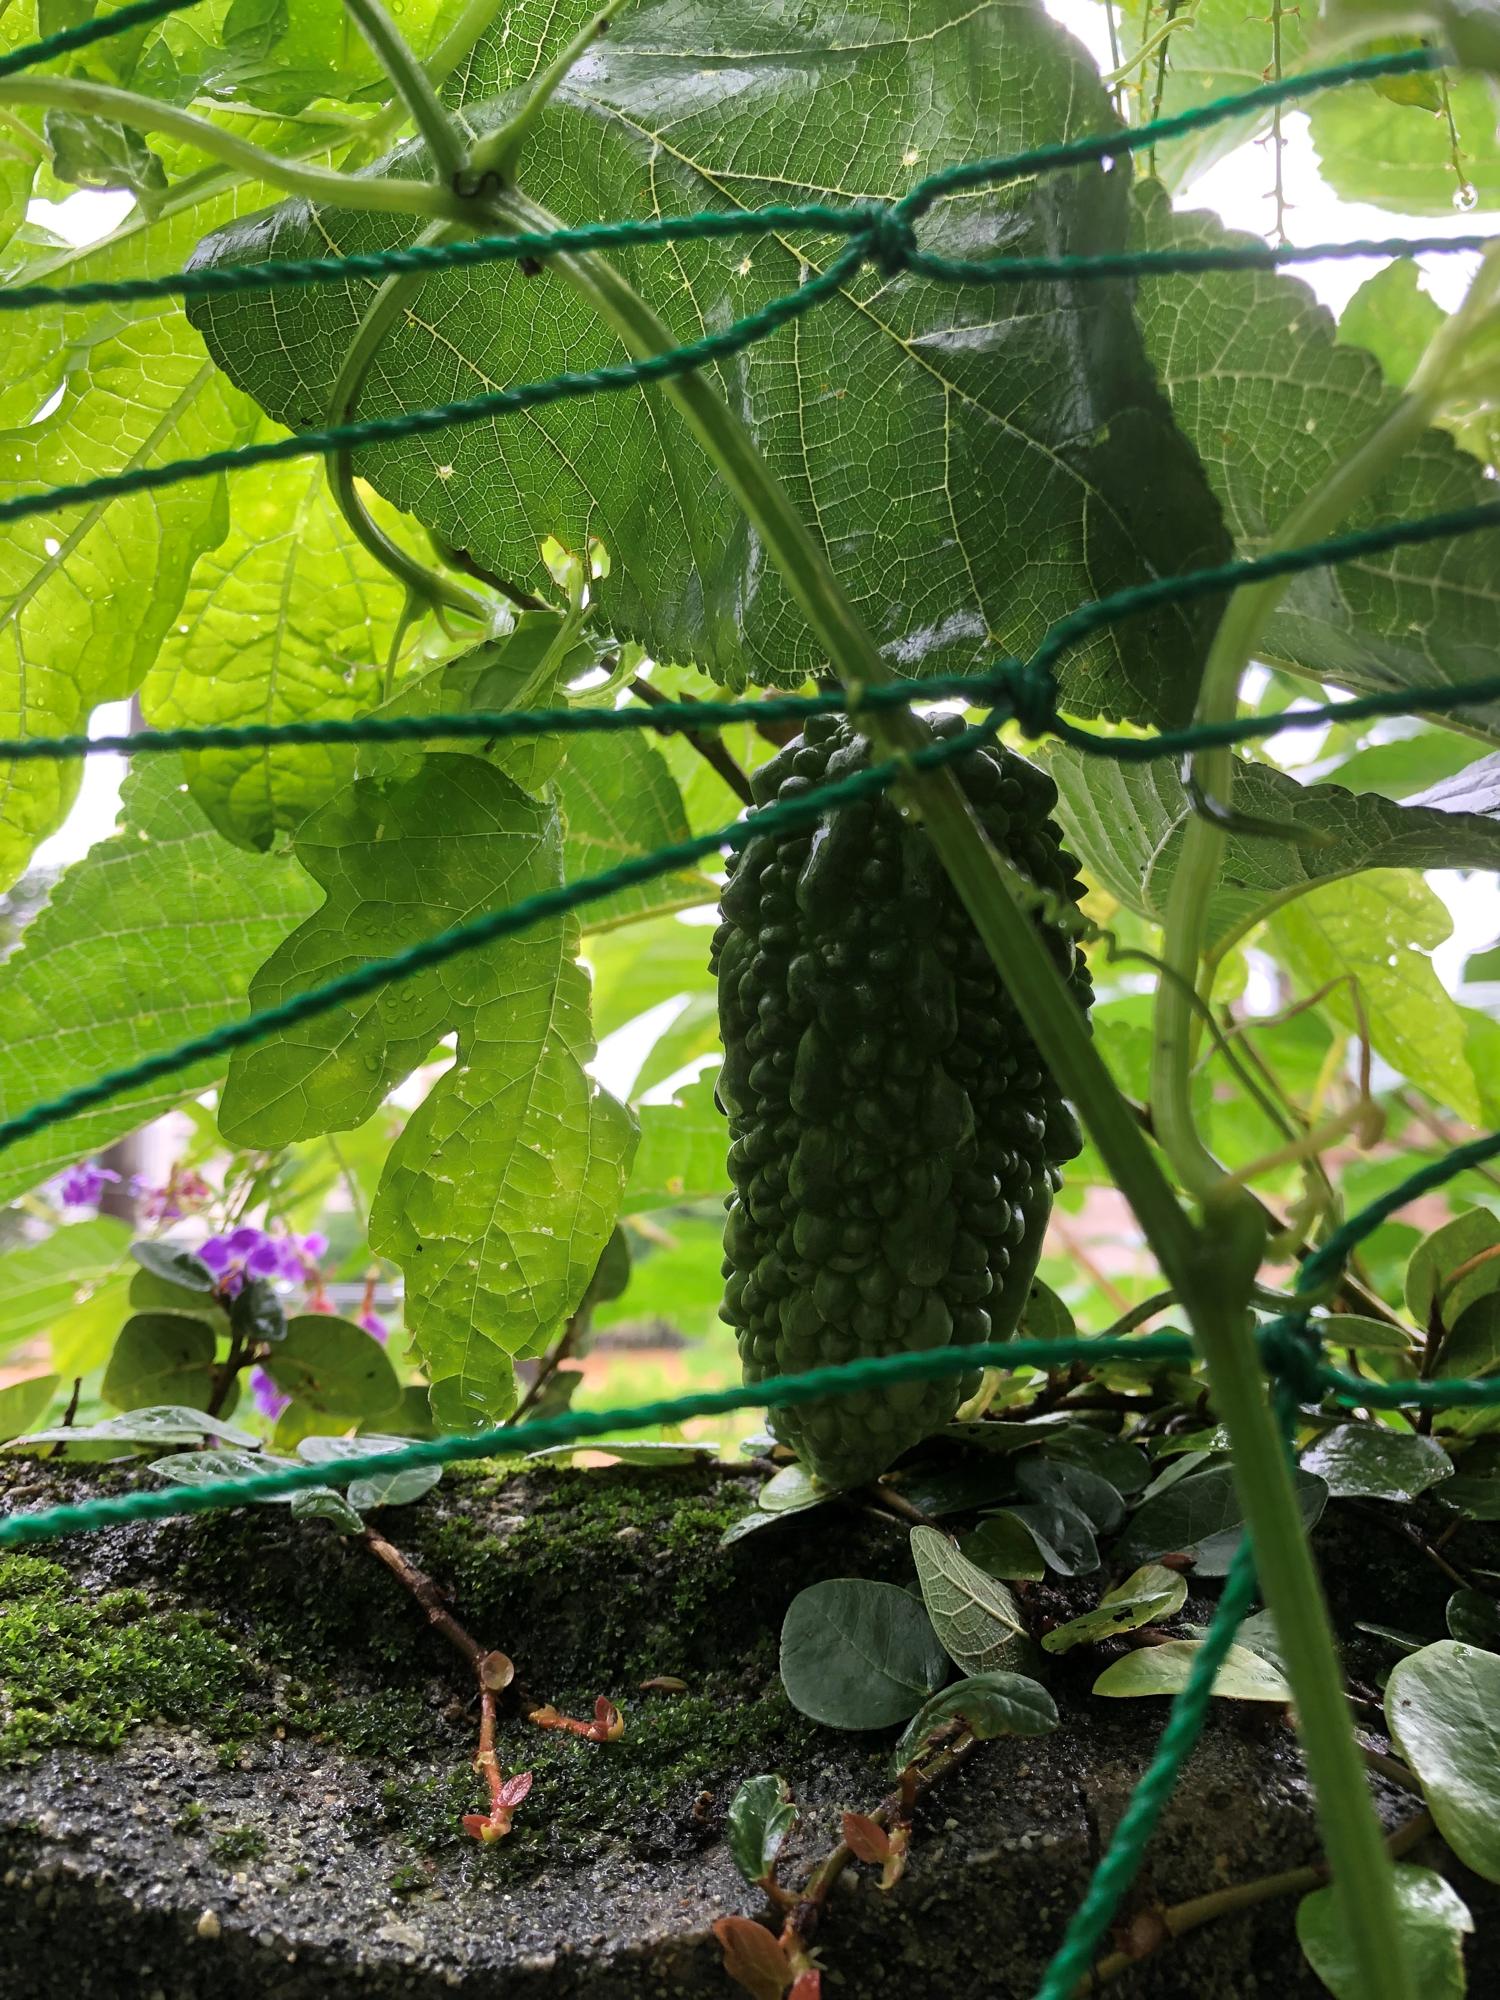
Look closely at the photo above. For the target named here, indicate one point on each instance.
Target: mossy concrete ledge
(233, 1757)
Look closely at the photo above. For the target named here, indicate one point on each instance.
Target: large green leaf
(1273, 403)
(334, 1367)
(1127, 822)
(1394, 319)
(288, 619)
(1379, 929)
(161, 1357)
(501, 1192)
(150, 938)
(971, 460)
(87, 593)
(619, 800)
(398, 859)
(1401, 156)
(39, 1282)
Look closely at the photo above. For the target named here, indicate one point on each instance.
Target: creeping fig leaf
(975, 1616)
(1164, 1670)
(1377, 1463)
(858, 1655)
(1433, 1920)
(988, 1705)
(1443, 1708)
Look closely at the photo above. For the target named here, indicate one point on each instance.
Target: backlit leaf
(1273, 403)
(287, 619)
(975, 1616)
(151, 937)
(1433, 1921)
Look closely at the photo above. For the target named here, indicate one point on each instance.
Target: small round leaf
(859, 1655)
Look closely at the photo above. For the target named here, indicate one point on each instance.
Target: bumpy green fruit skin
(895, 1139)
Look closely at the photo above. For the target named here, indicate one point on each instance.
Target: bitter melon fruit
(895, 1137)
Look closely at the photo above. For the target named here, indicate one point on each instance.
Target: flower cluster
(83, 1186)
(248, 1252)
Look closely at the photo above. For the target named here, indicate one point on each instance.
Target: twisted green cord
(1031, 690)
(1127, 1847)
(1013, 685)
(856, 219)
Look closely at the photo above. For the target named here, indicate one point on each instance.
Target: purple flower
(267, 1397)
(374, 1325)
(215, 1253)
(245, 1239)
(315, 1245)
(264, 1261)
(290, 1262)
(82, 1186)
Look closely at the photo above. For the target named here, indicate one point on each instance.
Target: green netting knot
(1032, 694)
(1293, 1354)
(887, 238)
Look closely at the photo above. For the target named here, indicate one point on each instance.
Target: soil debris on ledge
(234, 1759)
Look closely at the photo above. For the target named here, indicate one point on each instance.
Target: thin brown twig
(808, 1909)
(708, 743)
(67, 1417)
(427, 1594)
(1414, 1539)
(548, 1367)
(225, 1372)
(1389, 1768)
(1159, 1927)
(1088, 1265)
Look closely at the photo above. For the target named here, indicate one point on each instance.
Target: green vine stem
(1439, 377)
(1240, 630)
(424, 585)
(146, 114)
(1212, 1271)
(453, 49)
(446, 146)
(499, 151)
